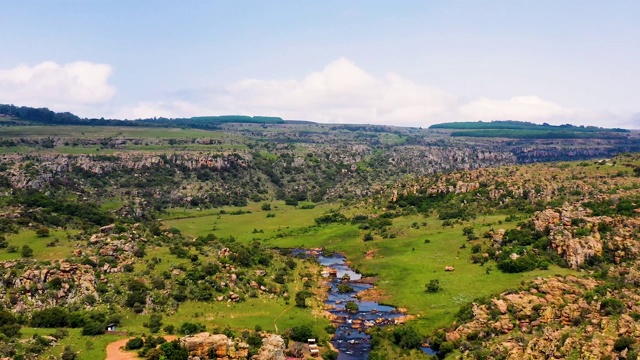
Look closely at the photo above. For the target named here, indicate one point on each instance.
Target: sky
(406, 63)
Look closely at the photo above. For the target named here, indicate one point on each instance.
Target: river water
(350, 338)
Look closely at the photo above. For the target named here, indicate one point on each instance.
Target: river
(351, 340)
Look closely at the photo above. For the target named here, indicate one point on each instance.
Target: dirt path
(115, 350)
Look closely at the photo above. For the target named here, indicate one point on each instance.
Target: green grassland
(87, 347)
(89, 132)
(62, 249)
(403, 265)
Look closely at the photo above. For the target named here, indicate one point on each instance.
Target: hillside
(176, 231)
(526, 130)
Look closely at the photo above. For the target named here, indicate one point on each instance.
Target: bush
(612, 306)
(54, 317)
(406, 337)
(91, 328)
(134, 344)
(301, 298)
(333, 217)
(433, 286)
(169, 329)
(465, 313)
(42, 232)
(330, 355)
(26, 251)
(154, 324)
(301, 333)
(69, 354)
(623, 342)
(344, 288)
(188, 328)
(352, 306)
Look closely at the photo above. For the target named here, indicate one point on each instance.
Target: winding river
(350, 338)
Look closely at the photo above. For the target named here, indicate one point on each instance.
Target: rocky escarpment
(560, 317)
(31, 286)
(531, 184)
(218, 346)
(575, 235)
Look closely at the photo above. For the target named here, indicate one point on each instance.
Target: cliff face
(218, 346)
(574, 234)
(553, 318)
(72, 283)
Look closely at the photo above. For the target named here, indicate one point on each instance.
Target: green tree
(154, 324)
(69, 354)
(433, 286)
(26, 251)
(42, 232)
(301, 333)
(134, 344)
(351, 306)
(301, 298)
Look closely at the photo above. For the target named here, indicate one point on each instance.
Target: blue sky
(394, 62)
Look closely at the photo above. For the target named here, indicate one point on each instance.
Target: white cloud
(62, 87)
(342, 92)
(526, 108)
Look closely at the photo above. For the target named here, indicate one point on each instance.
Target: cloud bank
(341, 92)
(48, 84)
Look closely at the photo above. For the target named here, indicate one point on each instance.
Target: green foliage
(623, 342)
(406, 337)
(26, 251)
(352, 306)
(521, 264)
(54, 317)
(42, 232)
(301, 333)
(330, 218)
(188, 328)
(609, 207)
(612, 306)
(9, 326)
(329, 355)
(173, 351)
(93, 327)
(465, 313)
(134, 344)
(154, 324)
(433, 286)
(301, 298)
(69, 354)
(344, 288)
(137, 294)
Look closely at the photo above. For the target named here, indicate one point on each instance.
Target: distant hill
(526, 130)
(19, 114)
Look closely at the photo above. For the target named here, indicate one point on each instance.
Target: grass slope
(403, 265)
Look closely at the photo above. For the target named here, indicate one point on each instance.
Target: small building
(111, 327)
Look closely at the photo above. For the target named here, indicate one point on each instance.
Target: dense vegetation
(46, 116)
(82, 243)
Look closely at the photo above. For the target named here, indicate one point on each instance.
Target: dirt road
(115, 350)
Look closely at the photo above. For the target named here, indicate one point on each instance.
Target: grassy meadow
(62, 249)
(87, 347)
(403, 265)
